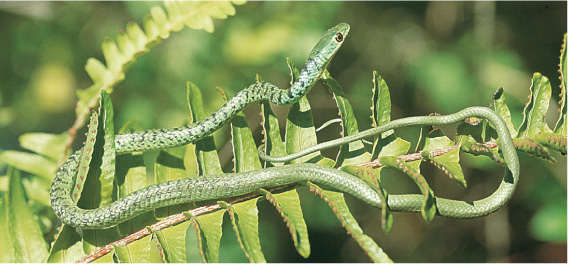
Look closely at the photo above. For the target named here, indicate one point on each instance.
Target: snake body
(446, 207)
(224, 186)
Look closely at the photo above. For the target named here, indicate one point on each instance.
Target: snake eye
(339, 37)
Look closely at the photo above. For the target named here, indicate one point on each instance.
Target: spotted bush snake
(214, 187)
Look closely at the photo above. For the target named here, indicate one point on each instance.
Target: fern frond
(134, 42)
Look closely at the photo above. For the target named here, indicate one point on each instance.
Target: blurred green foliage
(435, 57)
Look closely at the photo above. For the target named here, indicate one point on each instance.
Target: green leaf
(6, 244)
(172, 243)
(353, 152)
(67, 246)
(98, 72)
(170, 166)
(396, 147)
(537, 107)
(272, 141)
(37, 190)
(32, 163)
(134, 42)
(109, 154)
(127, 47)
(381, 114)
(22, 226)
(373, 177)
(288, 205)
(448, 162)
(107, 258)
(244, 219)
(300, 131)
(207, 158)
(210, 227)
(131, 176)
(48, 145)
(193, 245)
(527, 145)
(561, 124)
(99, 184)
(551, 140)
(136, 36)
(336, 201)
(294, 72)
(381, 103)
(86, 157)
(113, 57)
(244, 215)
(470, 132)
(502, 110)
(244, 148)
(412, 169)
(141, 250)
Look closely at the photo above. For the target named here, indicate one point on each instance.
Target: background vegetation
(435, 57)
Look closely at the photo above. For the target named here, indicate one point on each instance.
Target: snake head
(330, 43)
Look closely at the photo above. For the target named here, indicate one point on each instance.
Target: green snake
(214, 187)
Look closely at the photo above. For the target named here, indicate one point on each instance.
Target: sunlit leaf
(502, 110)
(131, 176)
(210, 226)
(172, 241)
(49, 145)
(244, 215)
(273, 142)
(412, 169)
(86, 157)
(337, 203)
(373, 177)
(561, 124)
(471, 135)
(107, 258)
(170, 166)
(37, 190)
(352, 152)
(244, 219)
(142, 250)
(99, 184)
(300, 131)
(22, 226)
(244, 148)
(531, 147)
(32, 163)
(67, 246)
(448, 162)
(207, 158)
(537, 107)
(551, 140)
(6, 243)
(134, 42)
(288, 205)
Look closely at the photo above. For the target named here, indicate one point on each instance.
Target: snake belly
(153, 197)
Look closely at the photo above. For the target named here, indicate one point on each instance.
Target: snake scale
(223, 186)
